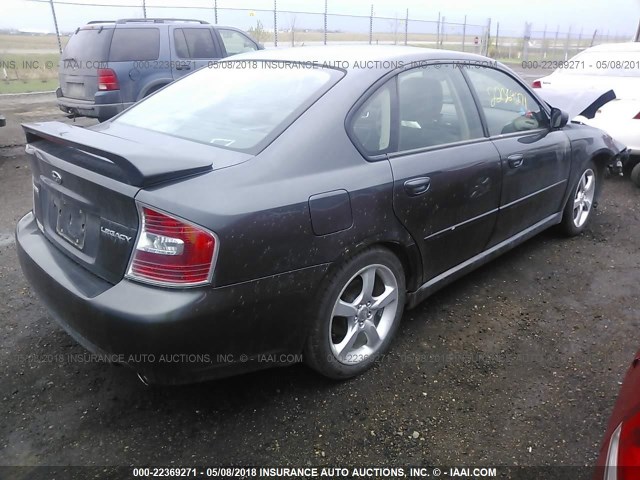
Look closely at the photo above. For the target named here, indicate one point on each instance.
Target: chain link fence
(276, 28)
(281, 28)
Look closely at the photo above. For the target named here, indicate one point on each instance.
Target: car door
(192, 48)
(535, 159)
(446, 172)
(235, 41)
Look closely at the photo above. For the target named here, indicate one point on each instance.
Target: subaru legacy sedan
(287, 205)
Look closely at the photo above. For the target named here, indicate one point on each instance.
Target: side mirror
(559, 118)
(260, 46)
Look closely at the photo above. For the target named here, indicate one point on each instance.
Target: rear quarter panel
(260, 209)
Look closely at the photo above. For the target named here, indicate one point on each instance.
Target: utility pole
(215, 11)
(406, 27)
(55, 22)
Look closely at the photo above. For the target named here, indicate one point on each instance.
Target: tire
(579, 208)
(343, 346)
(635, 174)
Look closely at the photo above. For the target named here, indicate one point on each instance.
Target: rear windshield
(241, 108)
(89, 45)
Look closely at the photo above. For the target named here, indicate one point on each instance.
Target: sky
(614, 16)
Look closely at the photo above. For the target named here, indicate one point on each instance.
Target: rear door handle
(417, 186)
(516, 160)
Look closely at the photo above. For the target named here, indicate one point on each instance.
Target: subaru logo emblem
(56, 177)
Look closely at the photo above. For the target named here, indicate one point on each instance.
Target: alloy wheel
(363, 314)
(583, 198)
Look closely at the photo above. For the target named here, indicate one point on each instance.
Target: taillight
(536, 84)
(107, 79)
(171, 252)
(637, 117)
(623, 457)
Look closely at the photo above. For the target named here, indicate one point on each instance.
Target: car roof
(142, 22)
(616, 47)
(355, 57)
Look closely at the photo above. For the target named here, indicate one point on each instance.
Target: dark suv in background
(109, 65)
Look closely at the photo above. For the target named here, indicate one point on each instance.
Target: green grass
(28, 72)
(27, 86)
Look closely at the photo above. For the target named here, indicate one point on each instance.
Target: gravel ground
(519, 363)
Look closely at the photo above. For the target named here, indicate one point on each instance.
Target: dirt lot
(519, 363)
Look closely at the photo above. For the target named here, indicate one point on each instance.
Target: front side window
(135, 44)
(236, 42)
(507, 106)
(231, 106)
(436, 108)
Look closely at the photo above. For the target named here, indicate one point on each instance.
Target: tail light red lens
(623, 459)
(172, 252)
(107, 80)
(537, 84)
(637, 117)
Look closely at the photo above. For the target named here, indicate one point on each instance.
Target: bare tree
(258, 32)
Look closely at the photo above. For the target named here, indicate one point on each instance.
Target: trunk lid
(85, 182)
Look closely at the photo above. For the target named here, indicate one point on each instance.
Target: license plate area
(71, 223)
(75, 90)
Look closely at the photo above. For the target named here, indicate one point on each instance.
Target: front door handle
(417, 186)
(183, 67)
(516, 160)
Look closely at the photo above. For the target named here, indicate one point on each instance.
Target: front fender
(590, 143)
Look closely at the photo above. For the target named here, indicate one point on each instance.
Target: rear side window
(194, 43)
(236, 42)
(232, 106)
(91, 44)
(507, 106)
(135, 44)
(371, 125)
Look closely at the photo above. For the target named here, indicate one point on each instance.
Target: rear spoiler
(141, 165)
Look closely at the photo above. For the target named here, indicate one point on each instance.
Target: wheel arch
(407, 254)
(152, 88)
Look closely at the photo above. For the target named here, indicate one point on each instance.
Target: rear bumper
(105, 105)
(172, 336)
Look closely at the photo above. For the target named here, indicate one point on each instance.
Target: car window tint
(199, 43)
(372, 122)
(89, 44)
(134, 44)
(247, 107)
(180, 43)
(436, 108)
(236, 42)
(507, 106)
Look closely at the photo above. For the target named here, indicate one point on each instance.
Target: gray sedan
(288, 205)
